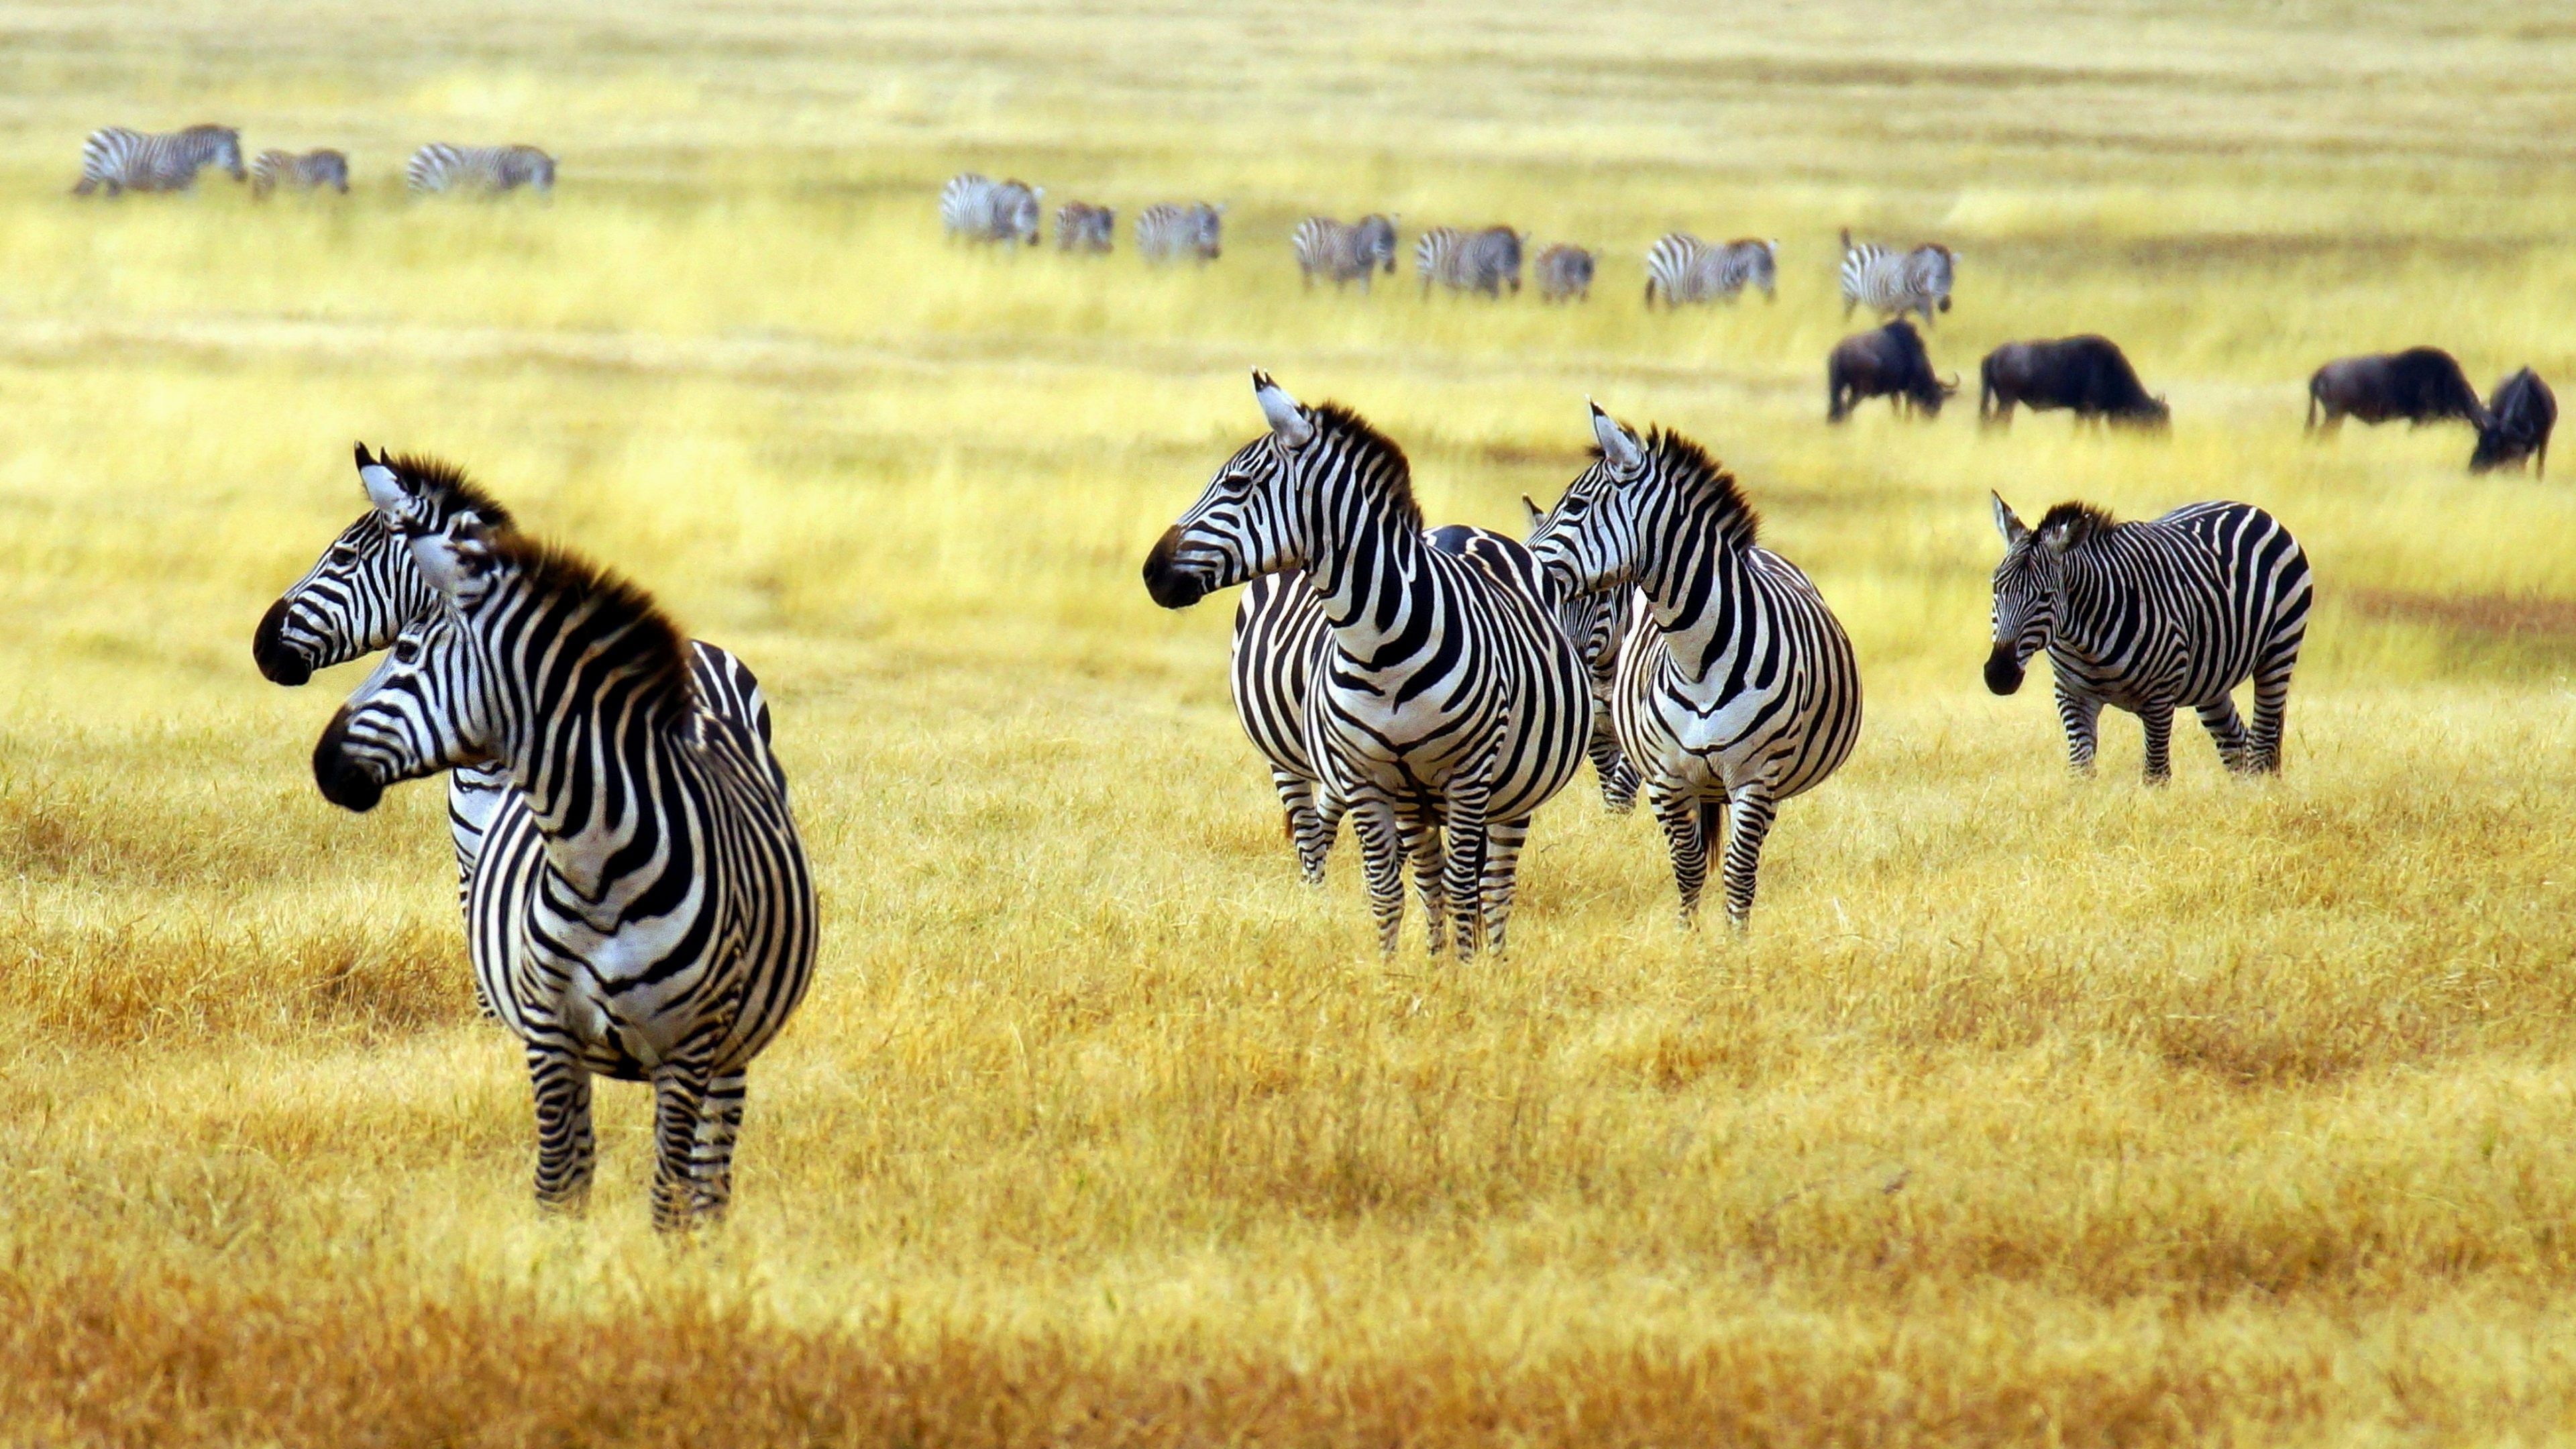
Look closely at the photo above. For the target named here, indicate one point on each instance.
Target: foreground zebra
(654, 898)
(1169, 232)
(309, 172)
(1352, 253)
(1897, 282)
(123, 160)
(1685, 271)
(364, 591)
(1744, 691)
(977, 208)
(1564, 273)
(439, 166)
(1448, 699)
(1083, 227)
(1486, 261)
(2151, 617)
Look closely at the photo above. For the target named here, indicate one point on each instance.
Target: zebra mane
(2078, 521)
(449, 489)
(1378, 455)
(652, 645)
(1702, 479)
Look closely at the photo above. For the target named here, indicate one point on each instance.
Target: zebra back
(121, 159)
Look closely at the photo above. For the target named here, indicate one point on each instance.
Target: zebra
(1744, 691)
(309, 172)
(439, 166)
(653, 901)
(979, 209)
(1483, 261)
(1895, 282)
(1599, 623)
(364, 591)
(1449, 699)
(1170, 231)
(1083, 227)
(1352, 253)
(2150, 617)
(123, 160)
(1563, 272)
(1683, 270)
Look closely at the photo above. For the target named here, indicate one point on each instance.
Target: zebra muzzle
(1172, 586)
(278, 663)
(343, 780)
(2003, 672)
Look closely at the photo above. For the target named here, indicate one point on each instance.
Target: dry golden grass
(2031, 1110)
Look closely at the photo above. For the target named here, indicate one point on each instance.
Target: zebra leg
(1503, 841)
(1382, 865)
(1680, 816)
(1753, 810)
(2225, 731)
(2158, 720)
(1303, 823)
(2082, 717)
(2271, 711)
(1463, 877)
(1418, 829)
(711, 1155)
(566, 1150)
(679, 1103)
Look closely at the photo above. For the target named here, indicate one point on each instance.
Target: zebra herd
(1437, 685)
(116, 160)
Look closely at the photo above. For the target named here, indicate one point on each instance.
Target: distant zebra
(1083, 227)
(1564, 272)
(1684, 271)
(1344, 253)
(1485, 261)
(977, 208)
(123, 160)
(1449, 700)
(1740, 689)
(1170, 231)
(2152, 617)
(309, 172)
(1895, 282)
(653, 903)
(439, 166)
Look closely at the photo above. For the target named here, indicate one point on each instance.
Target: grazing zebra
(439, 166)
(1083, 227)
(977, 208)
(1449, 700)
(1170, 231)
(124, 160)
(1484, 261)
(364, 591)
(309, 172)
(652, 901)
(1352, 253)
(1563, 272)
(1897, 282)
(1744, 691)
(2151, 617)
(1683, 270)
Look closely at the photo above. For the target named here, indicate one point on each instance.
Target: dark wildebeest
(2087, 375)
(1888, 363)
(2421, 385)
(2519, 416)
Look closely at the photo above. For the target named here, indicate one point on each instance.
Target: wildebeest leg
(1678, 812)
(2158, 722)
(2225, 731)
(2081, 714)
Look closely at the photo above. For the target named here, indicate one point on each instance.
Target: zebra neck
(2083, 612)
(1697, 591)
(599, 783)
(1372, 572)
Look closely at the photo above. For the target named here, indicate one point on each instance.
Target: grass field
(2030, 1110)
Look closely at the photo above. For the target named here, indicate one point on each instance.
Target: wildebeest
(2087, 375)
(2520, 414)
(1890, 363)
(2420, 384)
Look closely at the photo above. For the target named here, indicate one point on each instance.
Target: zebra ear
(1287, 416)
(450, 556)
(1537, 515)
(2007, 522)
(394, 502)
(1619, 447)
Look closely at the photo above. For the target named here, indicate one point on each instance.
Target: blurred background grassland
(2029, 1110)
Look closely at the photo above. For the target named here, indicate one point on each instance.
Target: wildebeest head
(2520, 415)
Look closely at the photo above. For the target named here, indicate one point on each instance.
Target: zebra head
(418, 713)
(2028, 584)
(1249, 521)
(221, 146)
(365, 589)
(1588, 542)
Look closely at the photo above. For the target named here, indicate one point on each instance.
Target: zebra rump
(1564, 273)
(1173, 231)
(1685, 271)
(121, 160)
(440, 166)
(309, 172)
(1083, 227)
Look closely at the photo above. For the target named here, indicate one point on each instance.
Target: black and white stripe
(1449, 702)
(440, 166)
(977, 208)
(122, 160)
(311, 171)
(1344, 252)
(1682, 270)
(1083, 227)
(1486, 261)
(649, 916)
(1894, 282)
(1175, 231)
(1740, 690)
(1563, 272)
(2155, 617)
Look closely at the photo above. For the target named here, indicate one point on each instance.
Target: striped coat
(1894, 282)
(1171, 232)
(440, 166)
(311, 171)
(1682, 270)
(2154, 617)
(1083, 227)
(1449, 706)
(1486, 262)
(1353, 252)
(979, 209)
(1740, 690)
(121, 160)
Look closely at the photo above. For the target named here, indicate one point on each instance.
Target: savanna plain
(2030, 1109)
